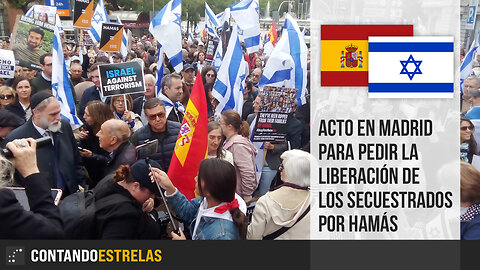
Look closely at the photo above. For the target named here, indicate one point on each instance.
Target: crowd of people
(101, 154)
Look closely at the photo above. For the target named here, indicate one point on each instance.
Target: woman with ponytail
(218, 213)
(244, 152)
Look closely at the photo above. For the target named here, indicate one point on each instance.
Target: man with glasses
(158, 127)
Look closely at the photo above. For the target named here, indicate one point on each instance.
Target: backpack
(78, 212)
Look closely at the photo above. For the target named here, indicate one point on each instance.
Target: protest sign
(271, 123)
(111, 39)
(31, 38)
(7, 64)
(212, 45)
(46, 14)
(121, 79)
(82, 14)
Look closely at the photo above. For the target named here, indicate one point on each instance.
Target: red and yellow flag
(191, 146)
(272, 34)
(344, 51)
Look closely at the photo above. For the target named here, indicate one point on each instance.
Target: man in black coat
(91, 93)
(43, 220)
(165, 131)
(61, 159)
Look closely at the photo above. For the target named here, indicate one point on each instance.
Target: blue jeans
(265, 181)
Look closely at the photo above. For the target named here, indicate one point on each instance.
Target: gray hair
(474, 78)
(297, 164)
(6, 172)
(151, 77)
(167, 80)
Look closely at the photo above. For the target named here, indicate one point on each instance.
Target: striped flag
(344, 51)
(191, 145)
(247, 16)
(166, 28)
(466, 67)
(272, 34)
(211, 22)
(287, 65)
(61, 87)
(124, 46)
(100, 15)
(228, 88)
(159, 71)
(410, 67)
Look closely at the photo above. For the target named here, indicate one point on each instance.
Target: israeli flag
(217, 58)
(466, 67)
(223, 17)
(61, 87)
(287, 65)
(247, 16)
(410, 67)
(228, 88)
(100, 15)
(211, 22)
(159, 71)
(124, 45)
(166, 28)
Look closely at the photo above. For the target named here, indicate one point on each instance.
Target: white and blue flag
(247, 16)
(228, 88)
(410, 67)
(61, 87)
(124, 45)
(287, 65)
(100, 15)
(217, 58)
(159, 71)
(223, 17)
(166, 28)
(466, 66)
(211, 21)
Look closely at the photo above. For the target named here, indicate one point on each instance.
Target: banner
(111, 38)
(31, 38)
(122, 78)
(271, 123)
(82, 15)
(63, 6)
(212, 45)
(7, 64)
(46, 14)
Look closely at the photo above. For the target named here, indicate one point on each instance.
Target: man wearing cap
(8, 122)
(171, 95)
(61, 159)
(188, 75)
(117, 58)
(76, 73)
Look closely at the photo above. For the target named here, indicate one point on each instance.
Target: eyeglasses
(469, 127)
(154, 116)
(210, 75)
(6, 96)
(119, 101)
(281, 167)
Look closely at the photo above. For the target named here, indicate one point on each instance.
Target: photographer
(43, 221)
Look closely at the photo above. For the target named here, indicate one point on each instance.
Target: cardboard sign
(271, 123)
(82, 14)
(31, 38)
(212, 45)
(111, 38)
(121, 78)
(46, 14)
(7, 64)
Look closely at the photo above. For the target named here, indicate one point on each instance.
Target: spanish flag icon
(344, 51)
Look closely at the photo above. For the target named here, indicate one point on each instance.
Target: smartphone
(144, 150)
(80, 148)
(22, 198)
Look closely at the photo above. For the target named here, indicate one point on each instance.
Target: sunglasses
(6, 96)
(469, 127)
(154, 116)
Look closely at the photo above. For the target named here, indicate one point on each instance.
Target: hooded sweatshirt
(281, 208)
(244, 153)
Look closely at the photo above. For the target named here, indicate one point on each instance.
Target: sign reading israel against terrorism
(122, 78)
(410, 67)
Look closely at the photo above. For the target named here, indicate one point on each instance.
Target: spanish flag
(272, 34)
(344, 51)
(191, 146)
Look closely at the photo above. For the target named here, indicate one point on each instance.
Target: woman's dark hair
(220, 180)
(472, 144)
(123, 174)
(99, 112)
(204, 72)
(232, 117)
(18, 80)
(213, 126)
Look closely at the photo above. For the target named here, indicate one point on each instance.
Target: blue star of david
(97, 17)
(417, 67)
(177, 19)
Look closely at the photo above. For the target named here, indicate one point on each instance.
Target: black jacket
(69, 160)
(123, 155)
(124, 220)
(17, 109)
(41, 222)
(96, 164)
(166, 142)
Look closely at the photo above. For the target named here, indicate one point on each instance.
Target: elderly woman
(7, 96)
(284, 212)
(468, 145)
(124, 111)
(469, 202)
